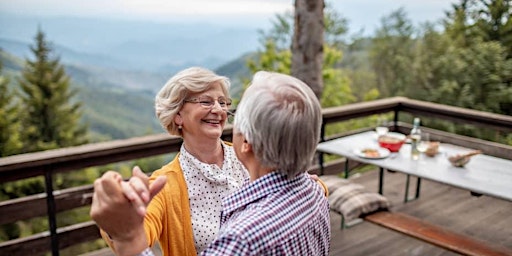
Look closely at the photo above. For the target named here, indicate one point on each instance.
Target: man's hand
(122, 215)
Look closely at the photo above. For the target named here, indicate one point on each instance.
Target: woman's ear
(177, 119)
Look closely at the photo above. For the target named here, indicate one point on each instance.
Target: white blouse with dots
(207, 185)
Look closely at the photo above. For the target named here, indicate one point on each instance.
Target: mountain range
(130, 45)
(117, 82)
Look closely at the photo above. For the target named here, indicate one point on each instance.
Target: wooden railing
(48, 163)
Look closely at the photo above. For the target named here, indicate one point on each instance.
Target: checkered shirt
(274, 216)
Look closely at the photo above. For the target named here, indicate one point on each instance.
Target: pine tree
(52, 119)
(10, 142)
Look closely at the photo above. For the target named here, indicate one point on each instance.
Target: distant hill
(119, 104)
(236, 70)
(131, 45)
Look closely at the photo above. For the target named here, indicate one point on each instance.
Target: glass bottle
(415, 139)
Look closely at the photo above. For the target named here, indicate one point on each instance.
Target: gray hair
(170, 99)
(280, 116)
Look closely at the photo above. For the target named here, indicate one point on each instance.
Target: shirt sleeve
(228, 244)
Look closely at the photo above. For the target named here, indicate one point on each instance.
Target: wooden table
(484, 174)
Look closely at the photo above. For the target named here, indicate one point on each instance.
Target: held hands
(119, 207)
(138, 190)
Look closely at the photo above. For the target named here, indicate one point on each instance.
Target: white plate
(383, 153)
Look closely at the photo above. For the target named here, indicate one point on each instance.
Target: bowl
(432, 148)
(459, 160)
(392, 141)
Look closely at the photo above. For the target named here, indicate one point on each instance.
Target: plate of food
(372, 153)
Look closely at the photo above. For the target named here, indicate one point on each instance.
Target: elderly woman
(280, 210)
(185, 216)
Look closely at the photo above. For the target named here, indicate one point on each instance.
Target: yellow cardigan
(168, 215)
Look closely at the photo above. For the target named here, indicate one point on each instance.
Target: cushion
(352, 200)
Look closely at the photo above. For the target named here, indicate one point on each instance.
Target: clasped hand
(119, 206)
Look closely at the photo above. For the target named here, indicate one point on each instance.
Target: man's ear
(246, 147)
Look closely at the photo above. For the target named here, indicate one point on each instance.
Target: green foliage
(458, 66)
(276, 55)
(151, 164)
(472, 21)
(10, 125)
(21, 188)
(50, 120)
(337, 90)
(392, 54)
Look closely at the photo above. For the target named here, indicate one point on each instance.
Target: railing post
(395, 118)
(321, 155)
(51, 209)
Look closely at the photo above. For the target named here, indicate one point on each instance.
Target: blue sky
(257, 13)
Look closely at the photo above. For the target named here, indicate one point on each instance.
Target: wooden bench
(436, 235)
(354, 203)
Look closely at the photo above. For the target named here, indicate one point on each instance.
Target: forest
(464, 60)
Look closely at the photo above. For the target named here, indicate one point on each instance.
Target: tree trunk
(307, 46)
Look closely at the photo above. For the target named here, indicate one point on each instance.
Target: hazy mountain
(131, 45)
(118, 66)
(118, 104)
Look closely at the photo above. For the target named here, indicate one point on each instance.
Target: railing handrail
(66, 159)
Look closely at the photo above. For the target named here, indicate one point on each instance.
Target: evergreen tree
(52, 119)
(484, 20)
(391, 54)
(10, 142)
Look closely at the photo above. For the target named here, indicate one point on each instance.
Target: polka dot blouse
(207, 185)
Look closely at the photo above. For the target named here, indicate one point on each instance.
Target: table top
(483, 174)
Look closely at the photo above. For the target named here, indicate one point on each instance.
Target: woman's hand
(138, 190)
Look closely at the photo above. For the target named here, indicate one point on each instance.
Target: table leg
(381, 180)
(418, 186)
(406, 197)
(346, 168)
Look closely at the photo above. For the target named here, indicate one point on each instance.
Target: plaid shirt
(274, 216)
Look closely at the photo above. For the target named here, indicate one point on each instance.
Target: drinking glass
(381, 128)
(424, 143)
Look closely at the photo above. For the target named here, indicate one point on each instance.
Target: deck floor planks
(484, 217)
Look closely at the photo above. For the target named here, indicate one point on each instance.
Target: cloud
(159, 9)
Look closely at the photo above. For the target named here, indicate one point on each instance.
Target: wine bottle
(415, 139)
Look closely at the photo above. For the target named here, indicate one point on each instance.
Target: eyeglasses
(209, 102)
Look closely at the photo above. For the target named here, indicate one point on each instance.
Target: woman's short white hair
(280, 116)
(170, 99)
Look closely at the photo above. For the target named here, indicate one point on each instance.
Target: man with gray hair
(280, 210)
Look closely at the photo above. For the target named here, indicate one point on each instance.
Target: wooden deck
(485, 218)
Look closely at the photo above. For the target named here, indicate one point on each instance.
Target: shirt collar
(254, 191)
(210, 171)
